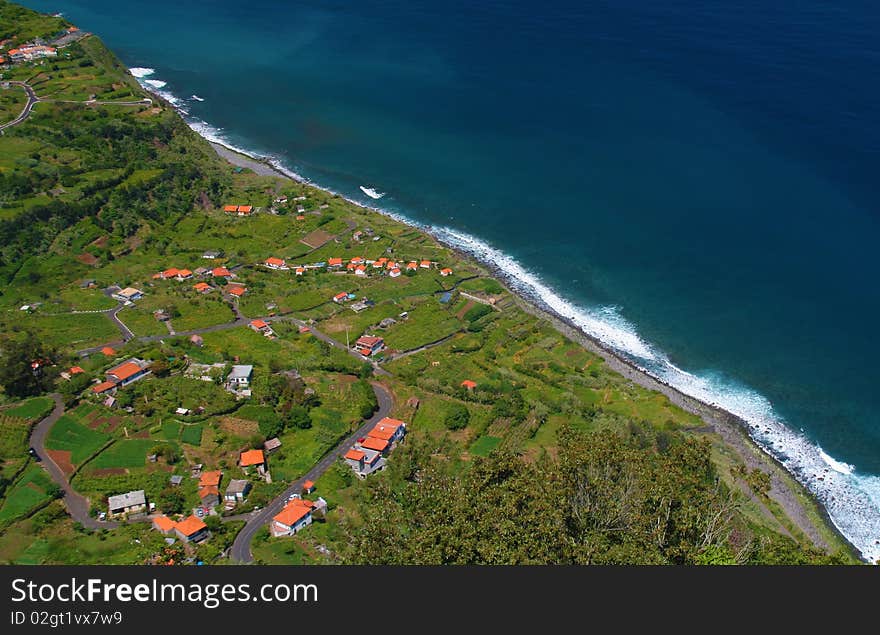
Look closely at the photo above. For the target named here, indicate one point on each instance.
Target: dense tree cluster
(640, 497)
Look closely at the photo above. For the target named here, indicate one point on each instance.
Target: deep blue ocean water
(694, 181)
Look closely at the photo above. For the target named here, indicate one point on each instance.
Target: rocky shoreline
(792, 497)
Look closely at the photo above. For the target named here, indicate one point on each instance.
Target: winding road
(241, 547)
(34, 100)
(26, 112)
(76, 504)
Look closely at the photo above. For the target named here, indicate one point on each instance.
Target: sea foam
(852, 500)
(139, 71)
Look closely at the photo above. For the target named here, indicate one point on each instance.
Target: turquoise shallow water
(694, 183)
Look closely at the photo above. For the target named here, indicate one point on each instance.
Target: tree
(17, 376)
(299, 417)
(457, 417)
(171, 500)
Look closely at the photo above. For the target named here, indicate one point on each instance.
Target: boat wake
(197, 98)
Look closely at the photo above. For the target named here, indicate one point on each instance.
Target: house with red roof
(339, 298)
(380, 263)
(360, 270)
(209, 496)
(446, 271)
(275, 263)
(300, 271)
(334, 262)
(252, 458)
(260, 326)
(163, 524)
(104, 386)
(76, 370)
(109, 352)
(412, 266)
(364, 461)
(128, 372)
(237, 291)
(425, 264)
(296, 515)
(370, 344)
(394, 273)
(470, 385)
(191, 530)
(221, 272)
(203, 287)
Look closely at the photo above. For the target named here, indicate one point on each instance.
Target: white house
(240, 376)
(127, 503)
(296, 515)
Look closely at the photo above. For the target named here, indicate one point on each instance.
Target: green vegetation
(32, 490)
(124, 453)
(81, 442)
(552, 457)
(192, 434)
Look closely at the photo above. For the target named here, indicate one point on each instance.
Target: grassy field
(484, 445)
(69, 332)
(80, 441)
(192, 434)
(125, 453)
(30, 491)
(32, 409)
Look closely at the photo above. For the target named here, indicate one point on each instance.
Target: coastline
(799, 504)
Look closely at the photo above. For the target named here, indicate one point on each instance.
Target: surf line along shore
(797, 502)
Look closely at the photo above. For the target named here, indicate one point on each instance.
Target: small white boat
(371, 192)
(197, 98)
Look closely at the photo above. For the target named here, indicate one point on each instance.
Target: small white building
(240, 377)
(130, 502)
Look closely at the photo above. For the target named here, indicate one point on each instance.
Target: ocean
(693, 182)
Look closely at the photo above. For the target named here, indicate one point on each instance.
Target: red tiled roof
(251, 457)
(201, 286)
(470, 385)
(368, 341)
(239, 291)
(109, 352)
(334, 261)
(292, 514)
(124, 371)
(163, 523)
(258, 324)
(170, 273)
(104, 386)
(190, 526)
(276, 262)
(308, 485)
(372, 443)
(354, 455)
(220, 272)
(245, 209)
(230, 208)
(74, 370)
(208, 490)
(208, 479)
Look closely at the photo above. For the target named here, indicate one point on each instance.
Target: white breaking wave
(852, 500)
(139, 71)
(156, 83)
(371, 192)
(837, 466)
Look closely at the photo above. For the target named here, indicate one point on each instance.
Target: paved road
(241, 548)
(76, 504)
(32, 100)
